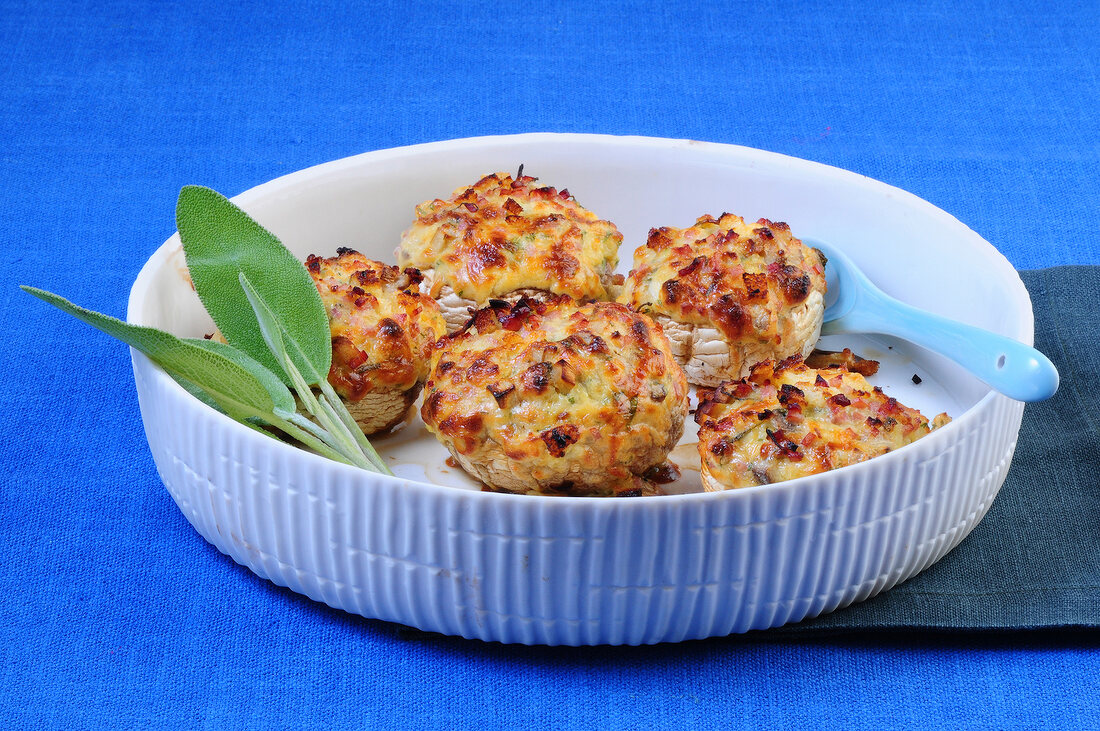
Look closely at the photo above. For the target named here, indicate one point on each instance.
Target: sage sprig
(265, 304)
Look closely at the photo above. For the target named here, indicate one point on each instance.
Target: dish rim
(1024, 324)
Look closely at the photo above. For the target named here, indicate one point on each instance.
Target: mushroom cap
(729, 294)
(383, 330)
(382, 411)
(787, 420)
(503, 235)
(556, 397)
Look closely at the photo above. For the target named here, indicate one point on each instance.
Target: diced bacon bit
(819, 381)
(709, 402)
(722, 448)
(486, 320)
(513, 321)
(724, 239)
(891, 406)
(511, 206)
(352, 355)
(564, 193)
(843, 359)
(313, 263)
(788, 392)
(763, 232)
(765, 414)
(537, 306)
(412, 276)
(786, 447)
(520, 312)
(559, 438)
(694, 265)
(471, 207)
(839, 400)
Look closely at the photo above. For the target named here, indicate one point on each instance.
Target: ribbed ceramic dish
(428, 549)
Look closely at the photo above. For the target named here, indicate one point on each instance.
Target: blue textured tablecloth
(115, 613)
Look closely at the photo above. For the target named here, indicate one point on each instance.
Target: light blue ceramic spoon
(1016, 370)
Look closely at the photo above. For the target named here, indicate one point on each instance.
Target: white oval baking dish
(428, 549)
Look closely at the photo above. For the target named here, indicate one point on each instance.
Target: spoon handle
(1016, 370)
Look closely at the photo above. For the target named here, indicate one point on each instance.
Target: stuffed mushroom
(557, 397)
(504, 238)
(729, 294)
(383, 329)
(787, 420)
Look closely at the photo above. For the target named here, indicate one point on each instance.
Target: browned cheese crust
(556, 397)
(503, 236)
(383, 330)
(729, 294)
(787, 420)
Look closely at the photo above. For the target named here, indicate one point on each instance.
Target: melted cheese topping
(739, 278)
(787, 420)
(555, 396)
(382, 328)
(501, 235)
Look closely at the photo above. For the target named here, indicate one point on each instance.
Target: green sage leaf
(280, 341)
(220, 242)
(345, 435)
(281, 397)
(230, 380)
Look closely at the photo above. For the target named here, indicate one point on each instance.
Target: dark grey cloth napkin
(1034, 560)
